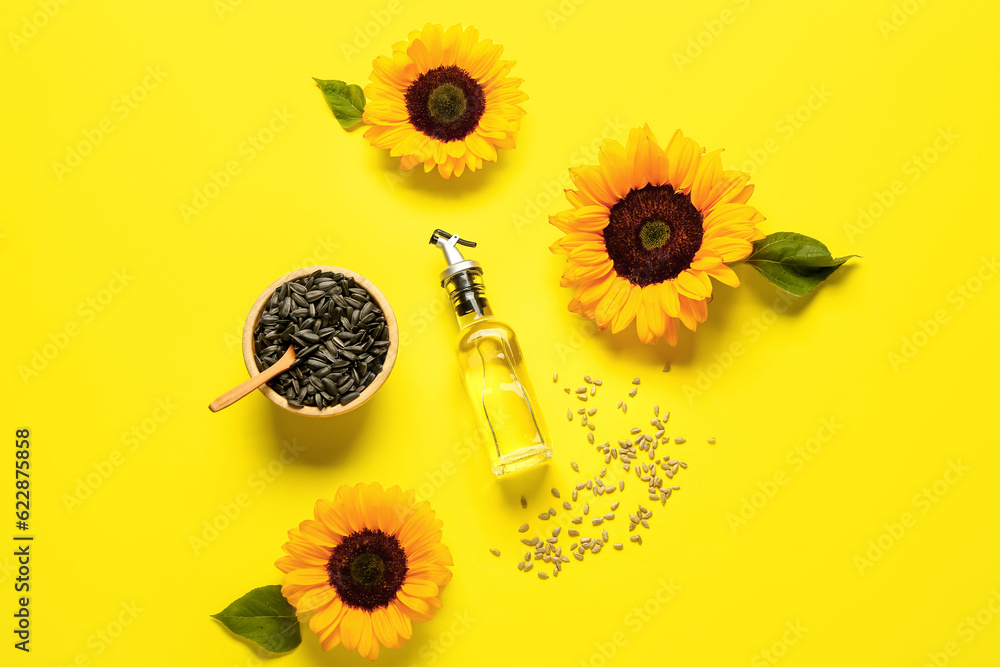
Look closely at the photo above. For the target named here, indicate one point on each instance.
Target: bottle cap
(456, 262)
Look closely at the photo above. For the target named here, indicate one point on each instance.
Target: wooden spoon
(238, 392)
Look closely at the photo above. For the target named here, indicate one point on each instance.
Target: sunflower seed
(555, 492)
(544, 516)
(680, 441)
(566, 505)
(574, 466)
(555, 377)
(520, 565)
(495, 552)
(576, 520)
(635, 380)
(586, 378)
(542, 575)
(556, 530)
(614, 505)
(569, 415)
(524, 503)
(632, 392)
(581, 390)
(604, 535)
(523, 528)
(598, 521)
(528, 566)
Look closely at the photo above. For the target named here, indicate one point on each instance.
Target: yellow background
(168, 332)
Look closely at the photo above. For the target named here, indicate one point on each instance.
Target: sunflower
(443, 99)
(368, 565)
(648, 228)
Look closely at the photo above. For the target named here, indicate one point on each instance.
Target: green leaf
(347, 101)
(263, 616)
(794, 262)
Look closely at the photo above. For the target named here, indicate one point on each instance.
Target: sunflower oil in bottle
(492, 366)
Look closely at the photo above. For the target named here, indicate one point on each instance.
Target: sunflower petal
(627, 312)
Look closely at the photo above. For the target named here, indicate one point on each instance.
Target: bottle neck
(468, 296)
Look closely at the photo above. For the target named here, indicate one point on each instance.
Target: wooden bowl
(330, 411)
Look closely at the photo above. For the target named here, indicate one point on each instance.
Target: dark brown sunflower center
(367, 569)
(445, 103)
(653, 234)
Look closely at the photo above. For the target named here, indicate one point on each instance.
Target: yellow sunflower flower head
(443, 99)
(366, 567)
(648, 229)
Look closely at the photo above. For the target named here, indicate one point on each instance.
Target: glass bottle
(492, 365)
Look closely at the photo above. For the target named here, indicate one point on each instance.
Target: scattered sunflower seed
(524, 503)
(495, 552)
(711, 441)
(680, 441)
(542, 575)
(544, 516)
(555, 377)
(632, 392)
(566, 505)
(635, 380)
(523, 528)
(555, 492)
(574, 466)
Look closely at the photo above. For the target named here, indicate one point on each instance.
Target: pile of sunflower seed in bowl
(339, 333)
